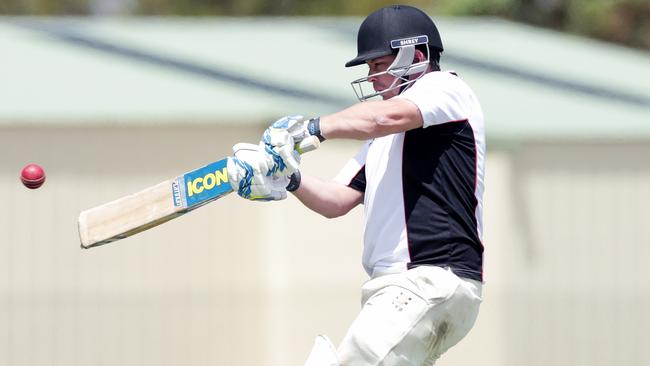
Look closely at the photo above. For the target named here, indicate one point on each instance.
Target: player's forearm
(371, 119)
(329, 199)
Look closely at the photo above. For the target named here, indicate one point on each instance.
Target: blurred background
(112, 96)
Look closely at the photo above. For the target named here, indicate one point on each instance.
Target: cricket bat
(158, 204)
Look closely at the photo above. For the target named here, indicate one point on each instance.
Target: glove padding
(255, 174)
(280, 139)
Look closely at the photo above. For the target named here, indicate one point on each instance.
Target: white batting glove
(280, 139)
(287, 130)
(251, 174)
(283, 135)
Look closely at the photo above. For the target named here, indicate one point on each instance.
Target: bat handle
(307, 144)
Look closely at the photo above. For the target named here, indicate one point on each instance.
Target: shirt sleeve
(353, 172)
(359, 181)
(441, 98)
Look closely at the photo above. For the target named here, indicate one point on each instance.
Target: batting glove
(250, 173)
(283, 135)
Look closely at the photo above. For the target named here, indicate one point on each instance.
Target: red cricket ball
(32, 176)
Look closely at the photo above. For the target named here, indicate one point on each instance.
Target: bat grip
(307, 144)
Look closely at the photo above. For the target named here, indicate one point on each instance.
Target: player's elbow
(340, 208)
(327, 209)
(330, 200)
(330, 215)
(334, 213)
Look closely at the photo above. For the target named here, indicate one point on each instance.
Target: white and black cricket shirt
(423, 188)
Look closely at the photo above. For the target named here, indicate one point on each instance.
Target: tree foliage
(622, 21)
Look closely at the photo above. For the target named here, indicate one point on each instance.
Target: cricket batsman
(419, 177)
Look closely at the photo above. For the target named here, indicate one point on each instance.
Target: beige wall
(240, 283)
(581, 219)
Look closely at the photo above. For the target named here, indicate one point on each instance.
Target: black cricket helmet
(395, 29)
(392, 23)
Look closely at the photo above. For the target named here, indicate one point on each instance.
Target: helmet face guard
(402, 69)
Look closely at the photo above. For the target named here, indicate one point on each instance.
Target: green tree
(621, 21)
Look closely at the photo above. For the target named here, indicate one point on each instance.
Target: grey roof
(532, 83)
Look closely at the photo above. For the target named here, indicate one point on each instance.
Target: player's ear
(419, 56)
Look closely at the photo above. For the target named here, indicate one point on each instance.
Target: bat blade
(167, 200)
(153, 206)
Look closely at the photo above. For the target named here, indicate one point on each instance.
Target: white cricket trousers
(410, 318)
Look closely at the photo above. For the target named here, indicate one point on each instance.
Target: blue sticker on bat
(202, 185)
(178, 192)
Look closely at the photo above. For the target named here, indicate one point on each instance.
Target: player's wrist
(313, 127)
(294, 182)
